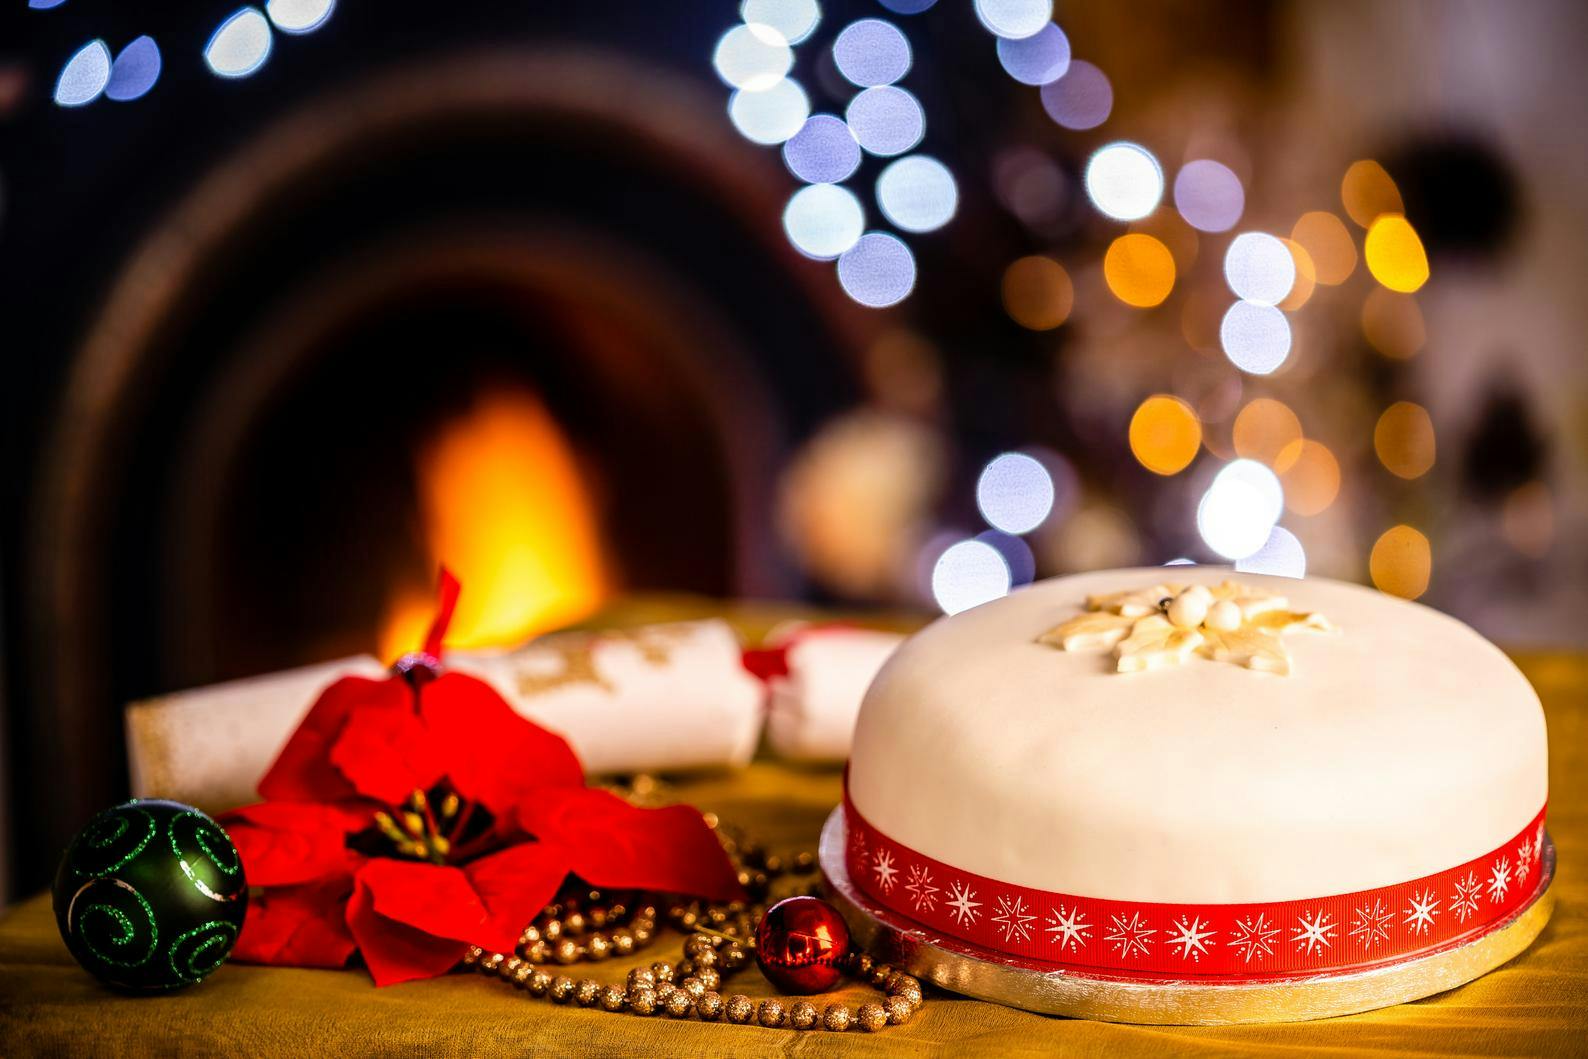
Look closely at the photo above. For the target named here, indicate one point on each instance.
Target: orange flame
(505, 508)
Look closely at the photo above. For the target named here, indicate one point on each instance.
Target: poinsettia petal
(432, 898)
(283, 843)
(394, 951)
(302, 772)
(386, 754)
(611, 843)
(298, 926)
(491, 753)
(515, 884)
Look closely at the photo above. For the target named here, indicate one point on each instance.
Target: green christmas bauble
(150, 896)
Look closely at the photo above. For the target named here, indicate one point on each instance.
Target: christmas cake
(1185, 774)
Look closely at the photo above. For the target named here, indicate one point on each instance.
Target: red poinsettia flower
(412, 817)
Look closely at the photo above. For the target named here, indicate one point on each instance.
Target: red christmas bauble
(800, 944)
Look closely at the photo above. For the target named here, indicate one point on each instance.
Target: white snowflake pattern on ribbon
(1069, 928)
(1189, 935)
(1130, 936)
(1314, 934)
(923, 895)
(961, 901)
(1464, 898)
(1499, 878)
(1371, 924)
(1013, 920)
(1421, 912)
(1254, 937)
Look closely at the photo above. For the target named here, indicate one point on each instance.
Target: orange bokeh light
(1328, 243)
(1165, 434)
(1402, 562)
(1404, 440)
(1264, 429)
(1037, 293)
(1368, 191)
(1139, 269)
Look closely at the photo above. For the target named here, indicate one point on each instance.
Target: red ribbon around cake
(1231, 942)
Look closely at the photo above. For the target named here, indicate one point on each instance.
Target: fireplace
(475, 310)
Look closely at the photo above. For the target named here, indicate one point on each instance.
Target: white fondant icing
(1402, 746)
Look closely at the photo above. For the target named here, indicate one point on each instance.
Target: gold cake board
(976, 972)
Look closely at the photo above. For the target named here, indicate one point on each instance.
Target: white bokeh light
(917, 194)
(1039, 59)
(1014, 19)
(1281, 555)
(1255, 337)
(1014, 493)
(1208, 195)
(886, 120)
(299, 16)
(1240, 509)
(1124, 181)
(752, 56)
(824, 151)
(771, 115)
(872, 52)
(823, 220)
(795, 19)
(969, 574)
(878, 271)
(241, 45)
(1259, 268)
(84, 76)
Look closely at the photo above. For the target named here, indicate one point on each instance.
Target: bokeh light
(1255, 337)
(1368, 191)
(1165, 434)
(1038, 59)
(1393, 324)
(823, 220)
(1310, 475)
(771, 115)
(1527, 519)
(1328, 243)
(886, 120)
(1031, 186)
(1240, 509)
(824, 151)
(240, 46)
(299, 16)
(1139, 270)
(1014, 493)
(1403, 438)
(1280, 556)
(1082, 99)
(84, 76)
(878, 271)
(1016, 552)
(917, 194)
(794, 19)
(752, 56)
(1306, 277)
(1401, 562)
(1037, 293)
(872, 52)
(1014, 19)
(907, 7)
(1208, 195)
(135, 70)
(1124, 181)
(1264, 429)
(1394, 254)
(1258, 267)
(969, 574)
(44, 5)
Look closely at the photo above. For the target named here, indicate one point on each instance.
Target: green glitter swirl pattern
(197, 952)
(215, 869)
(112, 840)
(110, 917)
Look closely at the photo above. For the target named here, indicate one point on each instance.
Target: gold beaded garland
(591, 926)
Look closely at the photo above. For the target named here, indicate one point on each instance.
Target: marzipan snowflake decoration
(1161, 626)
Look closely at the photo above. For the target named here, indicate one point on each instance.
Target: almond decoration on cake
(1166, 624)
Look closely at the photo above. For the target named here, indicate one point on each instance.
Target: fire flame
(504, 507)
